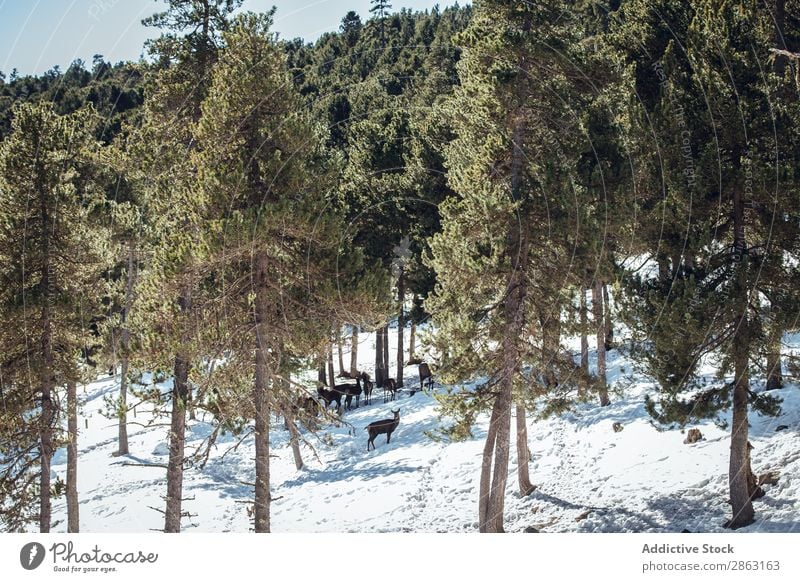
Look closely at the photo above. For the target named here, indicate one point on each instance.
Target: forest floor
(589, 478)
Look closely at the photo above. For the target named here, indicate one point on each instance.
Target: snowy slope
(589, 477)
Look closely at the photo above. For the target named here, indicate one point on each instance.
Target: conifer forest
(504, 266)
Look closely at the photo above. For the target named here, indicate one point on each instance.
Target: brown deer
(385, 426)
(389, 390)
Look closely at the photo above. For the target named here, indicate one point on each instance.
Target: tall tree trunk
(331, 373)
(354, 350)
(551, 339)
(125, 341)
(491, 503)
(73, 520)
(774, 373)
(739, 470)
(47, 379)
(177, 433)
(385, 345)
(401, 323)
(339, 349)
(609, 325)
(584, 324)
(260, 396)
(599, 324)
(780, 61)
(321, 375)
(379, 378)
(412, 342)
(294, 440)
(523, 453)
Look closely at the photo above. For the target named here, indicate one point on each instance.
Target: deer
(350, 391)
(329, 396)
(368, 386)
(425, 377)
(389, 389)
(386, 426)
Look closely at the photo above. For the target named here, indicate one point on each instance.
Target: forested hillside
(554, 214)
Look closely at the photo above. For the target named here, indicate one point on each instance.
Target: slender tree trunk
(774, 373)
(551, 338)
(294, 441)
(780, 61)
(739, 470)
(260, 397)
(385, 344)
(47, 379)
(609, 324)
(125, 341)
(523, 453)
(177, 433)
(584, 340)
(73, 520)
(412, 342)
(379, 378)
(354, 350)
(492, 490)
(321, 375)
(339, 348)
(401, 323)
(597, 311)
(331, 373)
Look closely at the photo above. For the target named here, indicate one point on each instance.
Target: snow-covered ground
(589, 478)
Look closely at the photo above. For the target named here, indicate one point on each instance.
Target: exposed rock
(583, 515)
(617, 426)
(530, 529)
(781, 427)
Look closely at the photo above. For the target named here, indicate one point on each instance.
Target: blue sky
(37, 34)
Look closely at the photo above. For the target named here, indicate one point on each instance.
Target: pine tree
(495, 243)
(264, 172)
(177, 89)
(735, 245)
(52, 257)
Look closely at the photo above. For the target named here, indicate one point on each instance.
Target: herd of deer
(365, 386)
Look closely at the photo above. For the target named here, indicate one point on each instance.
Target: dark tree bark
(294, 439)
(177, 433)
(780, 61)
(339, 349)
(584, 323)
(321, 375)
(551, 338)
(331, 373)
(739, 470)
(401, 322)
(354, 350)
(523, 453)
(774, 373)
(494, 465)
(379, 377)
(125, 341)
(385, 345)
(260, 397)
(599, 323)
(412, 342)
(73, 519)
(47, 377)
(609, 324)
